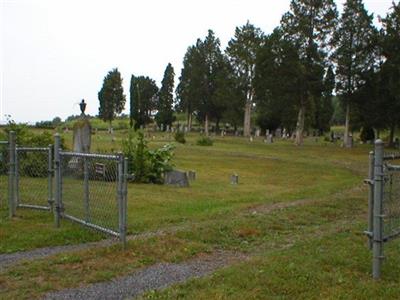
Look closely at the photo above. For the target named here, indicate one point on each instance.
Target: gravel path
(7, 260)
(158, 276)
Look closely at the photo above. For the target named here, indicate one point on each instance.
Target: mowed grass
(267, 174)
(310, 251)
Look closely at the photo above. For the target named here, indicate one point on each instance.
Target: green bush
(205, 141)
(147, 166)
(180, 137)
(367, 134)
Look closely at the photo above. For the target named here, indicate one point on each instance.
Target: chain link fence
(90, 189)
(4, 163)
(33, 178)
(383, 203)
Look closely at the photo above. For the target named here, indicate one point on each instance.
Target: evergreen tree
(324, 107)
(242, 49)
(355, 53)
(143, 94)
(309, 26)
(165, 114)
(111, 97)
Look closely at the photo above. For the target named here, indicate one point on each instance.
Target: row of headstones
(181, 179)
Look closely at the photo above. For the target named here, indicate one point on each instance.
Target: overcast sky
(54, 53)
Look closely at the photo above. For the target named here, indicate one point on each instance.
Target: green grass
(315, 250)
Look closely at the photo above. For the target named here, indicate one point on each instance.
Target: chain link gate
(383, 203)
(91, 189)
(33, 178)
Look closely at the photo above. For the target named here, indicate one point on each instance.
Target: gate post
(57, 179)
(11, 175)
(371, 199)
(50, 179)
(377, 246)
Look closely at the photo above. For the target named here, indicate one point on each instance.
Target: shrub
(367, 134)
(180, 137)
(146, 165)
(205, 141)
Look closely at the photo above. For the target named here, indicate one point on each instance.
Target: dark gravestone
(234, 179)
(176, 178)
(191, 175)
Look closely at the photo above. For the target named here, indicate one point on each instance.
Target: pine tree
(309, 26)
(355, 53)
(165, 114)
(111, 97)
(143, 94)
(242, 51)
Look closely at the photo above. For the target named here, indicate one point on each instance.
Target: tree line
(285, 79)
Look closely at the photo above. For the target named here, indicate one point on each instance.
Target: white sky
(53, 53)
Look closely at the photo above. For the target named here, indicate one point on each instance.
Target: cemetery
(266, 166)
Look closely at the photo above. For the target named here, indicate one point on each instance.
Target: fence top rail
(395, 168)
(32, 149)
(3, 142)
(388, 156)
(92, 155)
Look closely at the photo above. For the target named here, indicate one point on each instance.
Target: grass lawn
(315, 250)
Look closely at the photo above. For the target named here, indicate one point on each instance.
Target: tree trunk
(189, 121)
(206, 125)
(347, 126)
(300, 126)
(247, 119)
(110, 127)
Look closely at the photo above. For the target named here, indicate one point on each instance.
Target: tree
(143, 94)
(165, 114)
(189, 89)
(242, 49)
(355, 53)
(390, 70)
(111, 97)
(324, 107)
(278, 76)
(309, 26)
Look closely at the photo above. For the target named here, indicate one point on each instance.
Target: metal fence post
(378, 212)
(120, 197)
(50, 179)
(371, 198)
(86, 189)
(11, 175)
(57, 179)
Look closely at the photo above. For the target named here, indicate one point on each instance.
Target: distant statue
(82, 105)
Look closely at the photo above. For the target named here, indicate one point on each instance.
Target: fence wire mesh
(33, 184)
(391, 201)
(4, 164)
(89, 188)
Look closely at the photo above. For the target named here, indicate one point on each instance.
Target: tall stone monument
(82, 131)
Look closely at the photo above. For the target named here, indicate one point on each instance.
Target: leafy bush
(180, 137)
(367, 134)
(146, 165)
(205, 141)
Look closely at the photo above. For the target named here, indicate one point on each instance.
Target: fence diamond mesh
(33, 178)
(391, 201)
(4, 162)
(91, 189)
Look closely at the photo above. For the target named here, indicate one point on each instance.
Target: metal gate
(384, 203)
(91, 189)
(33, 178)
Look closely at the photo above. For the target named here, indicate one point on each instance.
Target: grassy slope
(310, 251)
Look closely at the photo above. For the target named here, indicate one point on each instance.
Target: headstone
(251, 139)
(176, 178)
(278, 133)
(82, 132)
(162, 127)
(141, 127)
(234, 179)
(167, 128)
(257, 132)
(269, 139)
(191, 175)
(350, 142)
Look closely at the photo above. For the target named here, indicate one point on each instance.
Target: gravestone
(162, 127)
(257, 132)
(234, 179)
(176, 178)
(269, 139)
(82, 132)
(167, 128)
